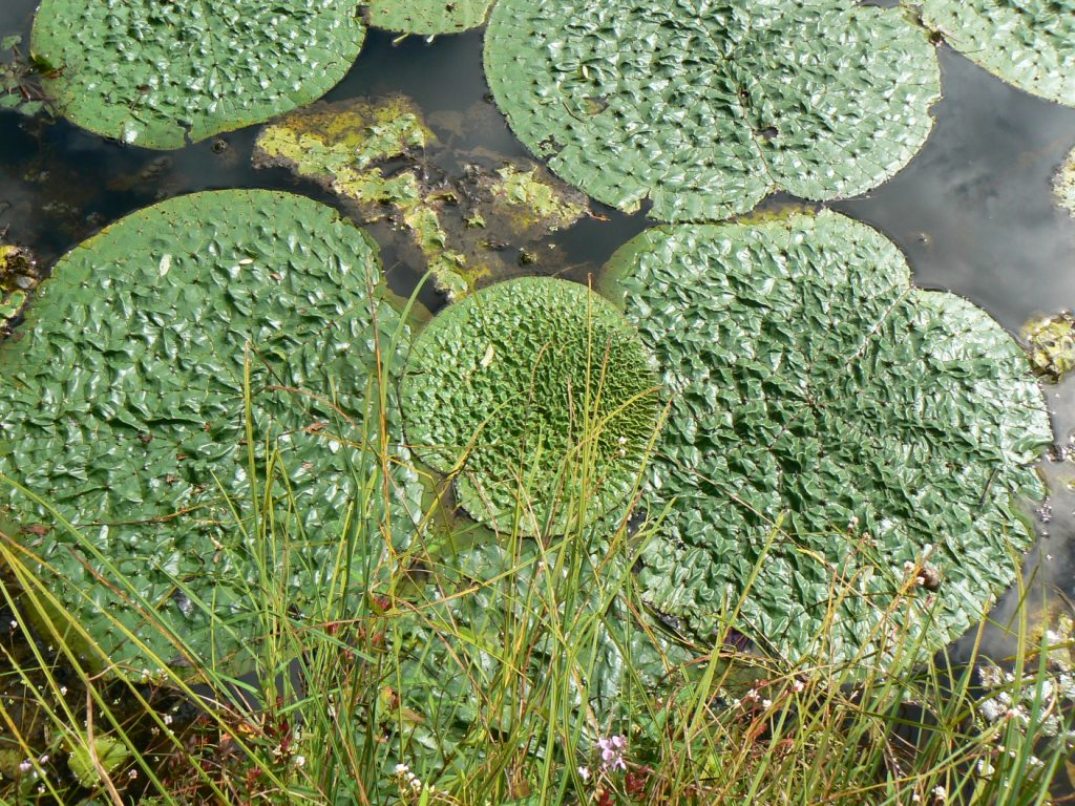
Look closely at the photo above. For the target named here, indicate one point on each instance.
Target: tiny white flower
(940, 794)
(584, 773)
(299, 761)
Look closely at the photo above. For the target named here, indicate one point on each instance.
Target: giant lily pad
(539, 395)
(427, 17)
(1030, 43)
(891, 428)
(123, 404)
(160, 74)
(704, 108)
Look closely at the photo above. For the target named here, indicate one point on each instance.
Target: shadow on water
(973, 211)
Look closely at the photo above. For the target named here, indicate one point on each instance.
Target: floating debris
(19, 276)
(1064, 184)
(386, 161)
(1050, 340)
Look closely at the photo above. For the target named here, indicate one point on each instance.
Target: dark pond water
(973, 211)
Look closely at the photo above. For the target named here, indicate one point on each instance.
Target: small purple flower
(612, 752)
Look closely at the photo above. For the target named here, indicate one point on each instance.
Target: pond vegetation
(380, 497)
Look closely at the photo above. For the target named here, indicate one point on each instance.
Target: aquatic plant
(532, 392)
(1029, 44)
(383, 159)
(427, 17)
(703, 109)
(843, 450)
(175, 368)
(1051, 342)
(160, 75)
(1064, 184)
(19, 276)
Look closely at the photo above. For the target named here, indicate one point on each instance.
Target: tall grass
(472, 668)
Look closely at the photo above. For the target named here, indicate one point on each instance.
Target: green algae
(1051, 342)
(530, 199)
(1064, 184)
(385, 161)
(18, 277)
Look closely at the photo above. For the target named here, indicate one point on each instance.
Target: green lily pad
(862, 444)
(427, 17)
(537, 393)
(123, 404)
(160, 74)
(455, 665)
(111, 754)
(1030, 43)
(706, 109)
(1064, 184)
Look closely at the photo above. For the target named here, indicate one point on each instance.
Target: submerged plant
(703, 109)
(844, 451)
(173, 370)
(532, 393)
(162, 74)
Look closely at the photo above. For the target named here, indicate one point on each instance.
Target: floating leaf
(515, 384)
(122, 403)
(158, 74)
(1030, 43)
(704, 108)
(111, 754)
(457, 647)
(427, 17)
(891, 428)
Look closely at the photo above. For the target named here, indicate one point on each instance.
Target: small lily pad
(161, 74)
(111, 754)
(427, 17)
(1030, 44)
(704, 110)
(535, 393)
(1051, 339)
(124, 404)
(860, 444)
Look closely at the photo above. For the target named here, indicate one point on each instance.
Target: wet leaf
(157, 74)
(704, 108)
(122, 402)
(882, 427)
(427, 17)
(1029, 43)
(511, 383)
